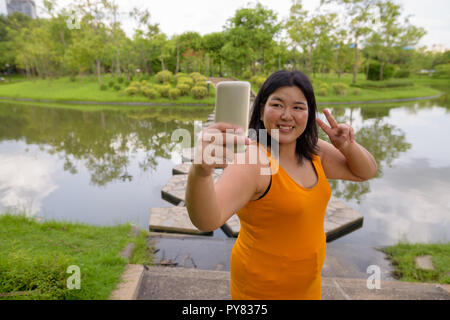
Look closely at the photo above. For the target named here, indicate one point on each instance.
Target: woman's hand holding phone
(216, 147)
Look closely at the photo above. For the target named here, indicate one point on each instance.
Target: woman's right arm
(210, 205)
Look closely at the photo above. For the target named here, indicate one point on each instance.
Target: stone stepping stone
(176, 220)
(173, 220)
(340, 220)
(175, 190)
(183, 168)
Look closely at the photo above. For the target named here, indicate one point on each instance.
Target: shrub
(164, 90)
(340, 88)
(164, 76)
(131, 91)
(174, 93)
(442, 71)
(111, 83)
(374, 71)
(186, 80)
(184, 89)
(117, 87)
(149, 92)
(247, 74)
(194, 75)
(120, 79)
(260, 81)
(180, 75)
(199, 92)
(103, 87)
(384, 84)
(322, 92)
(356, 91)
(402, 73)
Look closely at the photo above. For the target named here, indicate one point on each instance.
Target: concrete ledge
(129, 284)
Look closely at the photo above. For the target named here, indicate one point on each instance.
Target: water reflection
(109, 166)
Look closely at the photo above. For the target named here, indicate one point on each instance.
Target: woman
(280, 250)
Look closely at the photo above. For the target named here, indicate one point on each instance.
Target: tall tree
(251, 31)
(360, 15)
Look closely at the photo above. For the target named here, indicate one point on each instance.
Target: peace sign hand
(341, 135)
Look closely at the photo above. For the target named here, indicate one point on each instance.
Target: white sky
(205, 16)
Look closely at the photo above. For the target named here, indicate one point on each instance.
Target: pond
(108, 166)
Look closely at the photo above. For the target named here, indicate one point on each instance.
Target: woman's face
(286, 109)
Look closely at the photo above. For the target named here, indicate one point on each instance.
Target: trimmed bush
(194, 75)
(174, 93)
(184, 89)
(120, 80)
(164, 90)
(111, 83)
(374, 71)
(442, 71)
(247, 74)
(149, 92)
(199, 92)
(131, 91)
(340, 88)
(383, 84)
(402, 73)
(180, 75)
(322, 92)
(164, 76)
(186, 80)
(356, 91)
(103, 87)
(117, 87)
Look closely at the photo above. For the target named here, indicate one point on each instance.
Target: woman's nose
(286, 114)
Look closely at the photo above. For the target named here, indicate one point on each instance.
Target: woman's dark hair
(306, 144)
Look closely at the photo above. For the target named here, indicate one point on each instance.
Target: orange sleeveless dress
(280, 250)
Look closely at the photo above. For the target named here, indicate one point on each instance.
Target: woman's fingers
(330, 119)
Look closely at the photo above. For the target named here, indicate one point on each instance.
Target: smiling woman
(281, 245)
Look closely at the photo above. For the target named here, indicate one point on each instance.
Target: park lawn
(420, 89)
(402, 258)
(35, 256)
(86, 89)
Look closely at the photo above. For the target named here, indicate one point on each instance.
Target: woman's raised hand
(216, 146)
(341, 135)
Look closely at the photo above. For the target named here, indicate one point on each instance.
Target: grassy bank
(370, 90)
(86, 89)
(34, 258)
(402, 257)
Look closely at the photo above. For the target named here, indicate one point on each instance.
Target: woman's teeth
(284, 128)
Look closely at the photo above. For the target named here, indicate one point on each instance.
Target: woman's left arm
(345, 159)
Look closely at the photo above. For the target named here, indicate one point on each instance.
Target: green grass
(420, 88)
(402, 257)
(86, 89)
(34, 258)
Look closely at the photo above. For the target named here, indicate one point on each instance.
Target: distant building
(27, 7)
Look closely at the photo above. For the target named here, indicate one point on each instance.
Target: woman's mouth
(285, 129)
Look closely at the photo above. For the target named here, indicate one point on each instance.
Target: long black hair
(306, 145)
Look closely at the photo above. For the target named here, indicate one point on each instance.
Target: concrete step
(168, 283)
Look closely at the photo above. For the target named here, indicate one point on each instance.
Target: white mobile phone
(233, 104)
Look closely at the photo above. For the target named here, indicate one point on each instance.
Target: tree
(213, 43)
(360, 16)
(250, 32)
(393, 35)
